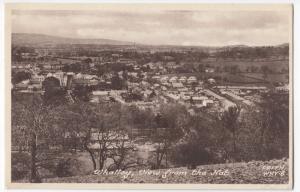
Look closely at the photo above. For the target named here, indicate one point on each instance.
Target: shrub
(64, 167)
(190, 154)
(19, 171)
(20, 166)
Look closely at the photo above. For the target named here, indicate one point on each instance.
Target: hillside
(253, 172)
(39, 39)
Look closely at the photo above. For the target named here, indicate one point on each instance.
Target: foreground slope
(254, 172)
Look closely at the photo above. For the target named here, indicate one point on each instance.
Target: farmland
(276, 64)
(278, 77)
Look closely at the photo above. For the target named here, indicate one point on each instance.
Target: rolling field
(270, 77)
(275, 65)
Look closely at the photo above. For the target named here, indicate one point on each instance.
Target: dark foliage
(20, 76)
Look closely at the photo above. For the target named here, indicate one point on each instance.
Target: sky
(159, 27)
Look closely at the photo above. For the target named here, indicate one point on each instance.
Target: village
(146, 86)
(140, 78)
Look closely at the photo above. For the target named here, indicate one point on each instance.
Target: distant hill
(39, 39)
(283, 45)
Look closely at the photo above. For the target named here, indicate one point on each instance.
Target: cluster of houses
(247, 95)
(152, 87)
(36, 81)
(183, 89)
(177, 82)
(186, 90)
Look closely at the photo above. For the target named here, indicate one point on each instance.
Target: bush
(190, 154)
(64, 167)
(20, 163)
(19, 171)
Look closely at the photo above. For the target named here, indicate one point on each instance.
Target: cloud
(160, 27)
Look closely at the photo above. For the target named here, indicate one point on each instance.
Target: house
(115, 55)
(98, 96)
(183, 89)
(147, 93)
(132, 85)
(85, 80)
(22, 85)
(171, 65)
(173, 79)
(192, 79)
(35, 87)
(199, 99)
(177, 85)
(198, 88)
(164, 79)
(182, 79)
(166, 84)
(37, 79)
(52, 67)
(151, 65)
(133, 74)
(91, 65)
(208, 102)
(211, 81)
(156, 77)
(173, 96)
(49, 75)
(146, 84)
(185, 97)
(128, 62)
(136, 68)
(209, 70)
(284, 88)
(156, 85)
(175, 92)
(242, 87)
(168, 58)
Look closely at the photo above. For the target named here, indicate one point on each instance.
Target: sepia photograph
(149, 96)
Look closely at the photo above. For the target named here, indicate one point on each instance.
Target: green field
(275, 65)
(282, 77)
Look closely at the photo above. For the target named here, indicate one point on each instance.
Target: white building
(211, 81)
(182, 79)
(192, 79)
(173, 79)
(37, 79)
(177, 85)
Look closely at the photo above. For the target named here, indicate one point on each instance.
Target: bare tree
(36, 119)
(164, 142)
(104, 136)
(120, 154)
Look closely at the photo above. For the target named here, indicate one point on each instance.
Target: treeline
(237, 52)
